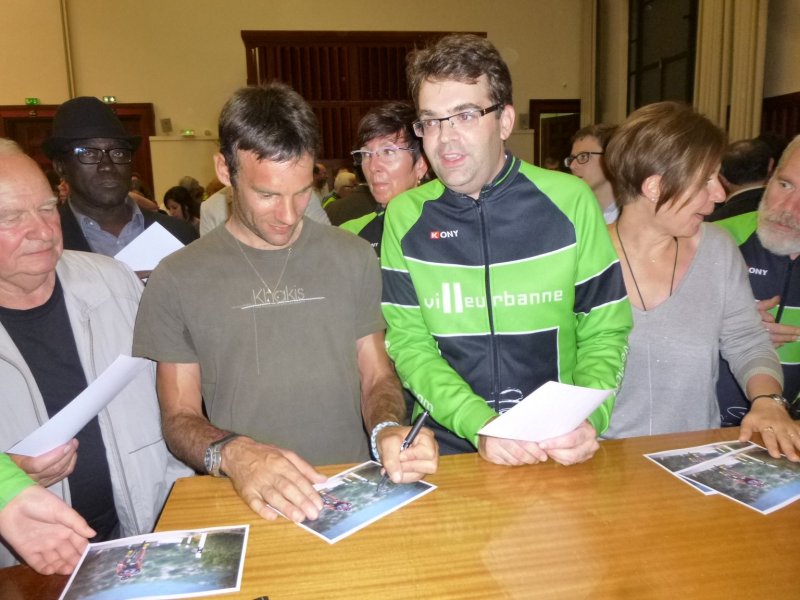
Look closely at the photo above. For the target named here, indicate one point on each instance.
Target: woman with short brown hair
(687, 284)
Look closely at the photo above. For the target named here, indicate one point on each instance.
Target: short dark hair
(746, 161)
(184, 198)
(668, 139)
(463, 58)
(390, 119)
(602, 132)
(776, 142)
(272, 121)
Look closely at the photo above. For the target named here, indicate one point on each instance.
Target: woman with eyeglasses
(688, 286)
(390, 155)
(586, 161)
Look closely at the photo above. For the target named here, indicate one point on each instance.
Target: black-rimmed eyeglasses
(387, 154)
(468, 118)
(94, 156)
(581, 158)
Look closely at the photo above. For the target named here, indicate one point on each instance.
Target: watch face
(208, 460)
(213, 456)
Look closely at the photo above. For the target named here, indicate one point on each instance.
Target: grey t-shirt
(673, 363)
(274, 332)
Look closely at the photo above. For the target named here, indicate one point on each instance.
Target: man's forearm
(188, 436)
(383, 401)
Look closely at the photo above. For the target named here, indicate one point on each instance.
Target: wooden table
(615, 527)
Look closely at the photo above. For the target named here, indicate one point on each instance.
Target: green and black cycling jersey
(488, 299)
(770, 275)
(369, 227)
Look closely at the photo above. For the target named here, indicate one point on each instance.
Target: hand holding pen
(409, 439)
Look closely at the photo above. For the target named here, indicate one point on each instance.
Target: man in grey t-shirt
(274, 322)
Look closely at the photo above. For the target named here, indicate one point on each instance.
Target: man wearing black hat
(92, 152)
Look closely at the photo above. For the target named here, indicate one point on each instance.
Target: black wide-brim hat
(82, 118)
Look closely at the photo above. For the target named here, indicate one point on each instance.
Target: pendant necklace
(630, 266)
(252, 266)
(269, 291)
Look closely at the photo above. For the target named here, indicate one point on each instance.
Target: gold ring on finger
(768, 428)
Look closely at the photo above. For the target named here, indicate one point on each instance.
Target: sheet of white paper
(146, 251)
(552, 410)
(75, 415)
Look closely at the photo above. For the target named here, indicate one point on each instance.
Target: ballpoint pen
(409, 439)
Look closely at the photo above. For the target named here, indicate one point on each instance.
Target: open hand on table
(267, 477)
(778, 431)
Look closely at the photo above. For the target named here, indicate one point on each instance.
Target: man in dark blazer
(92, 152)
(746, 167)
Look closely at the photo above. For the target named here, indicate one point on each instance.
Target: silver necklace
(630, 266)
(252, 266)
(269, 291)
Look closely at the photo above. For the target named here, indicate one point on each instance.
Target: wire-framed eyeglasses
(94, 156)
(468, 118)
(387, 154)
(581, 158)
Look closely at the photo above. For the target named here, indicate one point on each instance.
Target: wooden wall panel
(781, 115)
(341, 74)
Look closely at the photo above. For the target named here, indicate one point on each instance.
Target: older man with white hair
(769, 240)
(64, 317)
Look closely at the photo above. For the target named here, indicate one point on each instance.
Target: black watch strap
(775, 398)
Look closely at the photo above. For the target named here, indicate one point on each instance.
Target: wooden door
(556, 136)
(543, 110)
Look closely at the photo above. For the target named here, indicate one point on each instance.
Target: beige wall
(612, 61)
(174, 157)
(186, 56)
(32, 50)
(782, 72)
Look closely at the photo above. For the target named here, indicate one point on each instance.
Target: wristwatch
(776, 397)
(213, 456)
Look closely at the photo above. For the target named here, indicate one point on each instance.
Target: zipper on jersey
(495, 366)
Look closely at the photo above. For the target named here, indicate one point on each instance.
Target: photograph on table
(684, 458)
(171, 564)
(357, 497)
(751, 477)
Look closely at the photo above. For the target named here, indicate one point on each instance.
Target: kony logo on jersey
(443, 235)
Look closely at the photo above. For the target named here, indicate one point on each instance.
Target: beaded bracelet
(374, 437)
